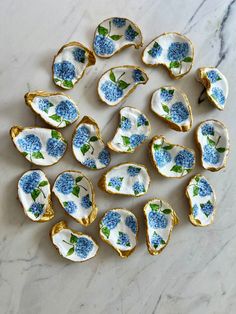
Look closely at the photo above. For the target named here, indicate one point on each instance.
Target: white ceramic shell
(115, 34)
(127, 179)
(213, 139)
(35, 196)
(71, 244)
(40, 146)
(173, 50)
(56, 109)
(172, 106)
(116, 84)
(76, 195)
(134, 128)
(202, 201)
(119, 228)
(88, 146)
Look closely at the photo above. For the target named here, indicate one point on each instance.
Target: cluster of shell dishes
(46, 146)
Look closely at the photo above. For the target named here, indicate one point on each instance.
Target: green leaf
(195, 190)
(122, 84)
(188, 59)
(171, 91)
(162, 241)
(168, 147)
(146, 122)
(35, 193)
(221, 149)
(43, 183)
(126, 140)
(24, 154)
(102, 30)
(174, 64)
(106, 232)
(65, 204)
(93, 139)
(116, 37)
(57, 80)
(73, 238)
(37, 155)
(157, 146)
(112, 76)
(84, 148)
(165, 108)
(197, 178)
(67, 122)
(71, 251)
(78, 179)
(68, 84)
(76, 190)
(177, 169)
(210, 142)
(55, 134)
(127, 244)
(154, 207)
(167, 211)
(219, 78)
(156, 45)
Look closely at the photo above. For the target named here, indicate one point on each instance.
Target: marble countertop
(196, 272)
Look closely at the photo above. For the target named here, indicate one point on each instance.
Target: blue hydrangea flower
(103, 45)
(133, 171)
(86, 202)
(65, 183)
(125, 124)
(66, 110)
(104, 157)
(29, 182)
(207, 208)
(156, 50)
(166, 95)
(81, 137)
(90, 163)
(136, 139)
(123, 239)
(137, 75)
(177, 51)
(55, 147)
(83, 247)
(213, 76)
(111, 91)
(111, 219)
(195, 210)
(64, 70)
(36, 209)
(30, 143)
(218, 94)
(116, 182)
(157, 220)
(179, 112)
(210, 155)
(70, 207)
(79, 54)
(142, 120)
(204, 188)
(130, 33)
(119, 22)
(156, 240)
(207, 129)
(138, 188)
(44, 104)
(131, 223)
(162, 157)
(184, 159)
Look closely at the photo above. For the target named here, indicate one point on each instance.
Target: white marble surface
(196, 272)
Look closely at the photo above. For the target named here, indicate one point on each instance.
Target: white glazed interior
(26, 198)
(164, 41)
(117, 143)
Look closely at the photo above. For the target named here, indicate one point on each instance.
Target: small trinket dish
(134, 128)
(216, 85)
(88, 146)
(202, 201)
(173, 107)
(73, 245)
(115, 34)
(171, 160)
(160, 219)
(172, 50)
(70, 63)
(213, 139)
(56, 109)
(127, 179)
(119, 228)
(40, 146)
(116, 84)
(76, 195)
(35, 196)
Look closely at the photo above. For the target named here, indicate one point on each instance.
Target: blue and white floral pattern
(79, 54)
(218, 95)
(123, 239)
(155, 51)
(131, 222)
(133, 171)
(138, 188)
(70, 207)
(116, 182)
(80, 245)
(64, 71)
